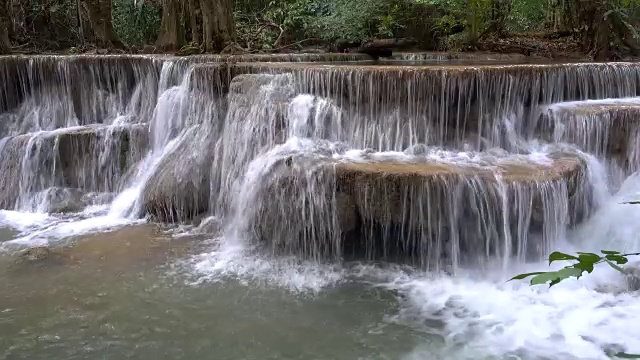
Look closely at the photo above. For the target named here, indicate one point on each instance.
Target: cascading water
(457, 171)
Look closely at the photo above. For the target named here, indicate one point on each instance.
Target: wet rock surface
(180, 190)
(606, 128)
(63, 200)
(91, 158)
(387, 208)
(38, 258)
(632, 276)
(228, 110)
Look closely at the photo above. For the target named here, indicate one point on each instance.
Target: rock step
(89, 158)
(445, 104)
(606, 128)
(423, 209)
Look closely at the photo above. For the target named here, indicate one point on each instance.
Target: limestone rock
(419, 208)
(381, 188)
(389, 103)
(37, 257)
(62, 200)
(604, 127)
(35, 254)
(92, 158)
(632, 276)
(149, 49)
(179, 190)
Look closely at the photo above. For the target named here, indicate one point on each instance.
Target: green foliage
(455, 15)
(30, 18)
(526, 16)
(136, 24)
(356, 20)
(259, 24)
(583, 262)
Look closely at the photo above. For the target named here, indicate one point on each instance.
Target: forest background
(595, 29)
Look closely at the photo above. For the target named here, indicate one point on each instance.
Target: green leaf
(614, 266)
(524, 276)
(570, 272)
(554, 277)
(584, 266)
(627, 356)
(608, 252)
(555, 281)
(632, 202)
(589, 258)
(558, 256)
(544, 278)
(619, 259)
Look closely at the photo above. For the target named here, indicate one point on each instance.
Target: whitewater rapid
(478, 314)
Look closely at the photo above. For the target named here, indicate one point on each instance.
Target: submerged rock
(39, 257)
(35, 254)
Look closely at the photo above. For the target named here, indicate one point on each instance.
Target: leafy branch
(584, 262)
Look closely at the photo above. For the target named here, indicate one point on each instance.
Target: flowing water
(284, 208)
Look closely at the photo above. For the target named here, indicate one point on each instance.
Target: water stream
(190, 208)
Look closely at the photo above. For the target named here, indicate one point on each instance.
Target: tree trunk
(171, 36)
(499, 11)
(597, 31)
(217, 24)
(193, 22)
(97, 15)
(5, 21)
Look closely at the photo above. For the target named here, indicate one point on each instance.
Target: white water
(613, 101)
(477, 313)
(481, 314)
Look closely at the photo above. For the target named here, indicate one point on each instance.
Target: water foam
(477, 314)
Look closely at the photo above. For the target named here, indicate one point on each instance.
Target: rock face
(180, 190)
(421, 209)
(399, 105)
(605, 128)
(88, 158)
(269, 140)
(632, 276)
(62, 200)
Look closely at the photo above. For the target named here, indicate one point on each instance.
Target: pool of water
(98, 286)
(144, 292)
(128, 294)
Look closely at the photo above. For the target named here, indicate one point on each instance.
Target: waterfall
(433, 164)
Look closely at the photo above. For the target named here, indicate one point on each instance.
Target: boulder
(61, 200)
(296, 209)
(179, 189)
(36, 258)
